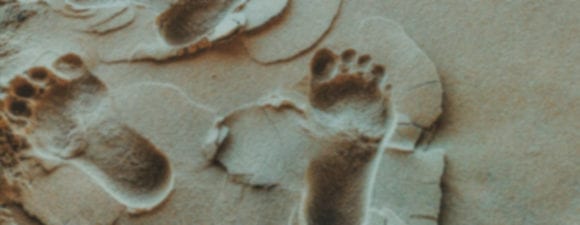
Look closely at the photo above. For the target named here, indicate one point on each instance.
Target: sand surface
(296, 112)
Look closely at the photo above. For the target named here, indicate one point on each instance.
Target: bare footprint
(189, 26)
(188, 22)
(71, 121)
(352, 112)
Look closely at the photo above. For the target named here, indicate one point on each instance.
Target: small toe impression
(69, 61)
(348, 55)
(364, 60)
(378, 71)
(70, 65)
(21, 87)
(39, 73)
(18, 107)
(322, 64)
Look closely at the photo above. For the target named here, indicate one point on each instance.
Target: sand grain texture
(294, 112)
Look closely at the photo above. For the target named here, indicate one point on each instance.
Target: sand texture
(270, 112)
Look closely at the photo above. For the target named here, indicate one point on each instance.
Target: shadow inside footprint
(71, 121)
(121, 156)
(187, 21)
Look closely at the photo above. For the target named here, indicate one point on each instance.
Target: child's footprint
(70, 120)
(188, 22)
(337, 138)
(352, 111)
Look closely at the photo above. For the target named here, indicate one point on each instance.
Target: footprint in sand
(328, 127)
(188, 26)
(331, 138)
(71, 121)
(351, 110)
(189, 21)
